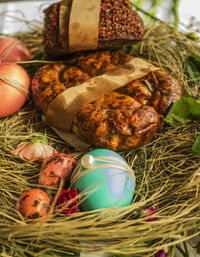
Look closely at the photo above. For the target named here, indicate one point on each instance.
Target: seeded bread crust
(119, 25)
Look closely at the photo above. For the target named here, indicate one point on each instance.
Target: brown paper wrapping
(65, 106)
(79, 24)
(65, 8)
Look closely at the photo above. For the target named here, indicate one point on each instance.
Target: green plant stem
(181, 250)
(153, 9)
(155, 6)
(141, 2)
(175, 12)
(173, 251)
(186, 249)
(144, 12)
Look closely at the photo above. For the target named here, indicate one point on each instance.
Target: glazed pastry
(157, 89)
(98, 62)
(121, 120)
(116, 122)
(53, 79)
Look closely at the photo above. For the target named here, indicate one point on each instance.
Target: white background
(33, 11)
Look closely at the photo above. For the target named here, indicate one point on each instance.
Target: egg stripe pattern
(105, 163)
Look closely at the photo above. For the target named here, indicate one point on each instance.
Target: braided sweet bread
(123, 119)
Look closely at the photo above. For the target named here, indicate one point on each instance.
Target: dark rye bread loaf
(121, 120)
(119, 25)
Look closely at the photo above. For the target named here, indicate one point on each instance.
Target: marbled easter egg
(34, 204)
(106, 180)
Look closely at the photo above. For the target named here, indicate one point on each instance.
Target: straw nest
(167, 175)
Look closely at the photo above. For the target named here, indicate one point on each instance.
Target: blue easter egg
(106, 179)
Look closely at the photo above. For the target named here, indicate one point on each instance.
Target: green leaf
(196, 59)
(193, 67)
(193, 71)
(196, 146)
(184, 110)
(192, 36)
(42, 140)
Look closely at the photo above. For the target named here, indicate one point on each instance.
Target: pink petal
(20, 148)
(34, 151)
(161, 253)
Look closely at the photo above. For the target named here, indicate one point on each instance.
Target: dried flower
(161, 253)
(34, 151)
(64, 197)
(149, 212)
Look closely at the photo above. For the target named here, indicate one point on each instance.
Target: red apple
(13, 50)
(14, 88)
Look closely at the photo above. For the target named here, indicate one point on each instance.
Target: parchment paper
(79, 24)
(64, 14)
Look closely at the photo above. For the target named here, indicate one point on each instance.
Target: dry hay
(167, 175)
